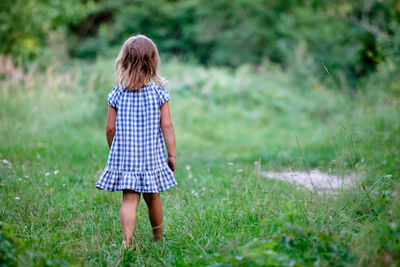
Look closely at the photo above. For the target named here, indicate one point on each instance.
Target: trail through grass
(315, 180)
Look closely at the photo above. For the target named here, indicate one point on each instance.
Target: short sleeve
(113, 97)
(163, 96)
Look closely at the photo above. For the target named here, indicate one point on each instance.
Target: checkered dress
(137, 159)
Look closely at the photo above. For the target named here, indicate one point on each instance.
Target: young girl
(138, 119)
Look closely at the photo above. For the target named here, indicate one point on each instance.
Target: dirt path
(314, 180)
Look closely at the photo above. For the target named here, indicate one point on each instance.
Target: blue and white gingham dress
(137, 159)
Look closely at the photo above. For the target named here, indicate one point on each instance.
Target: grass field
(230, 124)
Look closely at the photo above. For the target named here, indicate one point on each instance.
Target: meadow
(230, 124)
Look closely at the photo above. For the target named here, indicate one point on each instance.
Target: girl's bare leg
(130, 201)
(154, 205)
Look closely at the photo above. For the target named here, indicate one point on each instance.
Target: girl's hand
(169, 135)
(171, 161)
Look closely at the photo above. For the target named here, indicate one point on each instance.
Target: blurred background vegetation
(349, 38)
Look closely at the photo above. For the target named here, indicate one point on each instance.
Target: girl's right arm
(169, 135)
(110, 127)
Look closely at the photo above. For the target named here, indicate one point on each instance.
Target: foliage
(347, 39)
(9, 245)
(25, 24)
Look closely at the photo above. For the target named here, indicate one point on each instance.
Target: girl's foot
(157, 233)
(124, 245)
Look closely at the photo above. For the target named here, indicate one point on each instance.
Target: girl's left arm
(110, 127)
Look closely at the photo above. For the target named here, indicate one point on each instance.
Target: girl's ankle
(158, 238)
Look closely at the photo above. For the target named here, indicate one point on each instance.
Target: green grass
(52, 132)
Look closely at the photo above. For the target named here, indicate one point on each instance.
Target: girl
(138, 119)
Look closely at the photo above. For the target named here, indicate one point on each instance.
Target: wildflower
(239, 258)
(194, 193)
(47, 174)
(239, 170)
(19, 179)
(230, 163)
(190, 176)
(63, 185)
(187, 167)
(202, 189)
(17, 198)
(7, 163)
(56, 172)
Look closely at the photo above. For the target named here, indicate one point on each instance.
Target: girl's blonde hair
(137, 62)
